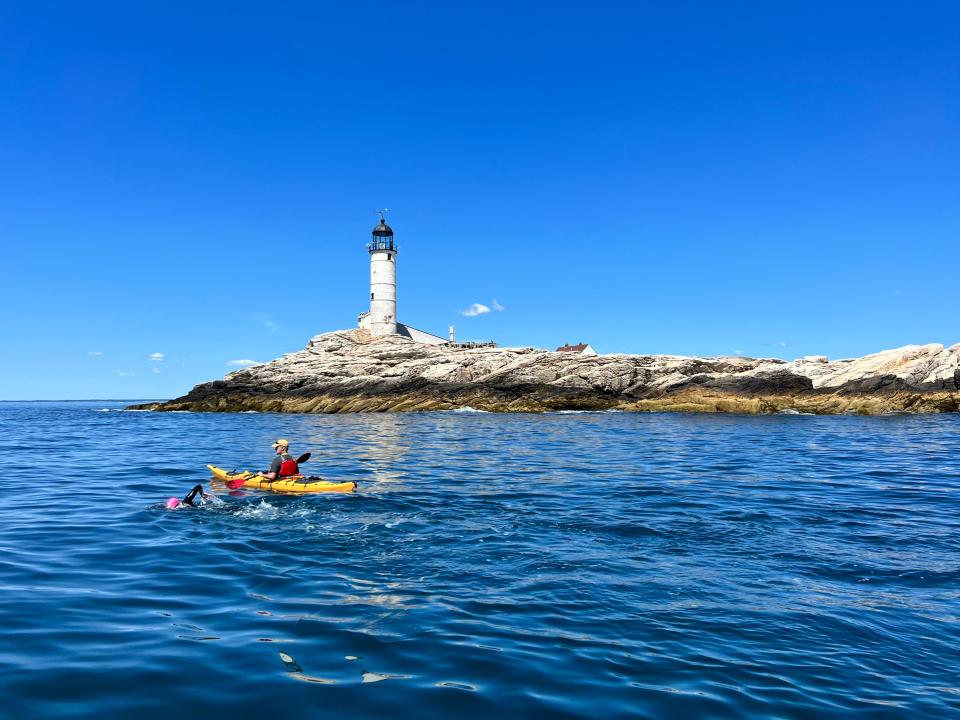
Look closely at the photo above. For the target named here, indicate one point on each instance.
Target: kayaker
(283, 465)
(173, 503)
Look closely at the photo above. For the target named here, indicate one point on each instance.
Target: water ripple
(559, 565)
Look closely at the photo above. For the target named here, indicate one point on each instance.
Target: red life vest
(289, 467)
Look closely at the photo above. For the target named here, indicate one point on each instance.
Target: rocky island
(356, 371)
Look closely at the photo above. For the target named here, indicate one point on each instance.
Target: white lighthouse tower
(382, 318)
(383, 280)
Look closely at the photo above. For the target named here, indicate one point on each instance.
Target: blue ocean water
(566, 565)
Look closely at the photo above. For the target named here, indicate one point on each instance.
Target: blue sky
(185, 185)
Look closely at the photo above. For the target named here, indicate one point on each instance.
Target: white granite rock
(343, 368)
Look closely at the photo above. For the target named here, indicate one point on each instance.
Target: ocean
(567, 565)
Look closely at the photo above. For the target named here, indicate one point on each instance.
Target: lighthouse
(381, 319)
(383, 280)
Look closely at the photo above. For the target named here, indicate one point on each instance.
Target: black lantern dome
(382, 230)
(382, 236)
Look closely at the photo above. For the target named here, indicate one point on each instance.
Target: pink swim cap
(173, 503)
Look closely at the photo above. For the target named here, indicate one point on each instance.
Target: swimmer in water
(173, 503)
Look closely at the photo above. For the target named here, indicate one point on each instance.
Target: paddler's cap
(280, 443)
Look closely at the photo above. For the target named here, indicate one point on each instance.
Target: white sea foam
(466, 409)
(261, 511)
(583, 412)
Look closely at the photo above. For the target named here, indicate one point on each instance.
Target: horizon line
(87, 400)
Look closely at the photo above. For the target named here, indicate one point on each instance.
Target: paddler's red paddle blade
(234, 483)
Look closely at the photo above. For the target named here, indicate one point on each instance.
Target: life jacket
(289, 467)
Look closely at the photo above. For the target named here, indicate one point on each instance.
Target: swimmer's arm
(188, 500)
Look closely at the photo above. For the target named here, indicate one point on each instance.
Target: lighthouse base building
(381, 319)
(363, 321)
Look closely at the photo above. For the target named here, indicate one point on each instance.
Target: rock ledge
(351, 371)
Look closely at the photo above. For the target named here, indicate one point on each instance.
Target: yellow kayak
(295, 484)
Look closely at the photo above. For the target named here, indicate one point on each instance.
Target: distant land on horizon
(64, 400)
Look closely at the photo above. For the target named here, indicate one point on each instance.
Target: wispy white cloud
(497, 306)
(266, 321)
(124, 373)
(738, 352)
(474, 310)
(783, 343)
(156, 357)
(94, 353)
(155, 370)
(243, 363)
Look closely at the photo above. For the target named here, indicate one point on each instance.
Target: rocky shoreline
(351, 371)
